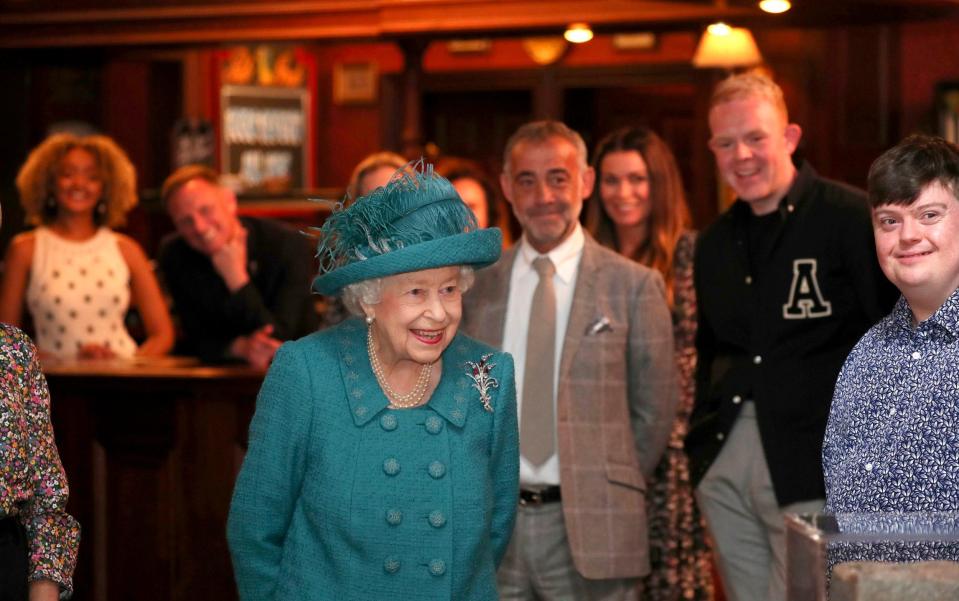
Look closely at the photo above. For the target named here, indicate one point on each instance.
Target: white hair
(370, 292)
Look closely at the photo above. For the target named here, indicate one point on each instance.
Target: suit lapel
(581, 311)
(494, 296)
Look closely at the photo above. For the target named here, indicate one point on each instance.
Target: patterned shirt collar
(945, 318)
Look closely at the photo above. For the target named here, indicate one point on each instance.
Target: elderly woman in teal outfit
(383, 456)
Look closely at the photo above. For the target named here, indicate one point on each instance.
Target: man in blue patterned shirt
(892, 440)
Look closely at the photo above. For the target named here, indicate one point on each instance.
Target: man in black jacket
(787, 281)
(240, 285)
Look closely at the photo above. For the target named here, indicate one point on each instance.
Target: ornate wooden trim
(43, 25)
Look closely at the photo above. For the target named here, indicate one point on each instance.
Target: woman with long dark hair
(639, 210)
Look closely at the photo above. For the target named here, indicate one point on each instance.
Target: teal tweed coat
(340, 497)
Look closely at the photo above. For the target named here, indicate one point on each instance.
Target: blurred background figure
(38, 539)
(240, 285)
(478, 192)
(639, 210)
(372, 172)
(77, 276)
(369, 174)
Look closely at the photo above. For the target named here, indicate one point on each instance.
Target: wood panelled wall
(855, 91)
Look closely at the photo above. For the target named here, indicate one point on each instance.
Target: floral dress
(33, 486)
(680, 560)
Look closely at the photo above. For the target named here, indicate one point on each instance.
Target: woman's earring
(369, 320)
(101, 208)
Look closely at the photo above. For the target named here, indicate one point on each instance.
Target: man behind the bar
(591, 336)
(787, 282)
(891, 443)
(240, 285)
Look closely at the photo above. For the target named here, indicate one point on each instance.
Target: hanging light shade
(726, 47)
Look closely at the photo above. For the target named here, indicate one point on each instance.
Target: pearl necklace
(401, 401)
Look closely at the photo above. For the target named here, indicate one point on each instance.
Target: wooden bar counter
(151, 449)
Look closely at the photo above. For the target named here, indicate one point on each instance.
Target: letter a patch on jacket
(805, 298)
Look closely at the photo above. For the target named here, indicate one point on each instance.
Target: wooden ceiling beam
(43, 23)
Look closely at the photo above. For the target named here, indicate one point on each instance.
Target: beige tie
(537, 430)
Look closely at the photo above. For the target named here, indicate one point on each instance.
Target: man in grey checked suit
(597, 394)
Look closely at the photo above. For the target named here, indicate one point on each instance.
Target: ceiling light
(578, 33)
(775, 6)
(719, 28)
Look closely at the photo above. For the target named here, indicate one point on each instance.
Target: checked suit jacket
(615, 404)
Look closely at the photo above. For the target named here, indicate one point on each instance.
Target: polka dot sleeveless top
(79, 293)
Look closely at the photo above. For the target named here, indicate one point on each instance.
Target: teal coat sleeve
(504, 460)
(269, 481)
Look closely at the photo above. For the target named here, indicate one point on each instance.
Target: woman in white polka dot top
(77, 276)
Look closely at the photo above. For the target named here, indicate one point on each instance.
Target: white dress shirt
(522, 285)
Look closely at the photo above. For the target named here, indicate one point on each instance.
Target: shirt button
(391, 466)
(749, 280)
(388, 422)
(394, 517)
(757, 359)
(892, 411)
(437, 470)
(437, 519)
(720, 436)
(437, 567)
(391, 564)
(434, 425)
(868, 467)
(737, 400)
(916, 355)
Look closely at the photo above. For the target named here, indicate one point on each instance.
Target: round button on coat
(437, 470)
(391, 564)
(391, 466)
(388, 422)
(437, 518)
(437, 567)
(434, 425)
(394, 517)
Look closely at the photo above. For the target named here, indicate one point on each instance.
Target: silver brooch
(479, 373)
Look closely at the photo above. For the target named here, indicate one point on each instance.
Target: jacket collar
(795, 198)
(452, 398)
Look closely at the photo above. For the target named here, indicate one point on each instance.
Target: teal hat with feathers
(417, 221)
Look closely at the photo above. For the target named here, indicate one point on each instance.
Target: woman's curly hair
(36, 180)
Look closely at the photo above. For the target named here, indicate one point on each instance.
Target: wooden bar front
(151, 450)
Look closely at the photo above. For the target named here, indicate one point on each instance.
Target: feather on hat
(417, 221)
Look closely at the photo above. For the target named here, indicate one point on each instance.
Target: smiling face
(204, 214)
(918, 247)
(78, 185)
(546, 185)
(624, 188)
(753, 146)
(417, 316)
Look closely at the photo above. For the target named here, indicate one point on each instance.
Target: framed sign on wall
(265, 121)
(264, 137)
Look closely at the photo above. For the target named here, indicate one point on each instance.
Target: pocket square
(600, 325)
